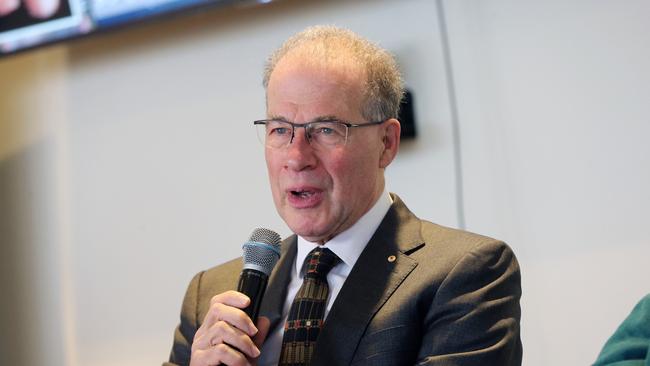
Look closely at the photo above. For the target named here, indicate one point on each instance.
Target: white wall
(553, 105)
(132, 187)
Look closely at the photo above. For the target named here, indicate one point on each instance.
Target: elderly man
(363, 281)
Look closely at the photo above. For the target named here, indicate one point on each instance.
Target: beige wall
(37, 324)
(128, 163)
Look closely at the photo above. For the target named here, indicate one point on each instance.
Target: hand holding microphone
(228, 335)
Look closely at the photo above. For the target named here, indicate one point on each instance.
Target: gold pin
(392, 258)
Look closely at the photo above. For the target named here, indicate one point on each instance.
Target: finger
(223, 332)
(232, 298)
(218, 355)
(227, 307)
(229, 298)
(8, 6)
(263, 324)
(236, 317)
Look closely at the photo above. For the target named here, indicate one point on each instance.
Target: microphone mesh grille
(262, 250)
(266, 236)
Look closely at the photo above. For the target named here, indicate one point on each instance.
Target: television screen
(30, 23)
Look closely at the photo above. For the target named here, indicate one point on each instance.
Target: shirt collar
(349, 244)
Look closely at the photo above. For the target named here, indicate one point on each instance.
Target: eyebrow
(325, 118)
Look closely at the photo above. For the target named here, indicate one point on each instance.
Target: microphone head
(262, 250)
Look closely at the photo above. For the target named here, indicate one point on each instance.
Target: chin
(307, 231)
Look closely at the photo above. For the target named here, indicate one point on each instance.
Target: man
(400, 291)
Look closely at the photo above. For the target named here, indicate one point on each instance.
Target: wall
(35, 282)
(554, 124)
(140, 165)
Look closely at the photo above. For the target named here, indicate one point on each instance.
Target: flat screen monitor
(26, 24)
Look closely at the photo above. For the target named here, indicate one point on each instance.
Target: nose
(300, 154)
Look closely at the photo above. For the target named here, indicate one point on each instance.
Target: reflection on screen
(28, 23)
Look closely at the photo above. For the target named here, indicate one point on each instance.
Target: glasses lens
(260, 130)
(274, 133)
(328, 133)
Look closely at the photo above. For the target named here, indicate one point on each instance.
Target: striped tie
(307, 310)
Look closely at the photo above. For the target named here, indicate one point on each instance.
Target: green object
(630, 344)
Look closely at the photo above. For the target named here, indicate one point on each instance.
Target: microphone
(261, 253)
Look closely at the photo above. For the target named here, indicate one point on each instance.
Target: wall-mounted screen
(29, 23)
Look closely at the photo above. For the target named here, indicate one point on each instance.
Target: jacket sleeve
(474, 316)
(630, 344)
(184, 333)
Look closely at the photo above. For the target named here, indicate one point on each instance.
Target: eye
(324, 131)
(278, 131)
(328, 129)
(278, 128)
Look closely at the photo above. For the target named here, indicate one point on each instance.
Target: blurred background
(128, 162)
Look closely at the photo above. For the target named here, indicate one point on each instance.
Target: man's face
(321, 192)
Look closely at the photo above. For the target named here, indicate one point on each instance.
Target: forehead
(306, 86)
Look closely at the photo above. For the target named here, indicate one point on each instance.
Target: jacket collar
(381, 268)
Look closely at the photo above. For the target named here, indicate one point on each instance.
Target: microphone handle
(252, 283)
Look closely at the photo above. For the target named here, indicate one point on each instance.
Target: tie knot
(319, 262)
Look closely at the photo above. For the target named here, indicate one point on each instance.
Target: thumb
(263, 325)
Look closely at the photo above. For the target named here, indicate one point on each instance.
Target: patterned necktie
(307, 310)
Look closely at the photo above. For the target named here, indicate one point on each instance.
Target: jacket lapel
(276, 291)
(380, 269)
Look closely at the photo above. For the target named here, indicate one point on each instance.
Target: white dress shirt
(348, 246)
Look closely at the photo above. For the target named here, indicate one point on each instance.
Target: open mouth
(304, 197)
(302, 193)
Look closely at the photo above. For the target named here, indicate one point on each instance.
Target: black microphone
(261, 253)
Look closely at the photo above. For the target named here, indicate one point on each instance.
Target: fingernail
(256, 352)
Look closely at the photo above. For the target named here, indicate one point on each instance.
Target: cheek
(272, 163)
(360, 177)
(273, 170)
(348, 175)
(338, 167)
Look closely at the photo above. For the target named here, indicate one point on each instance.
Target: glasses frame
(306, 126)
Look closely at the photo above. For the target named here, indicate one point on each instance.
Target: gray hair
(384, 88)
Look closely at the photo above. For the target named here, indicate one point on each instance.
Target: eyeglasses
(278, 134)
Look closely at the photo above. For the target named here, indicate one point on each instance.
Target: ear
(391, 130)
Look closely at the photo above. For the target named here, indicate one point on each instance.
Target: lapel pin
(392, 258)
